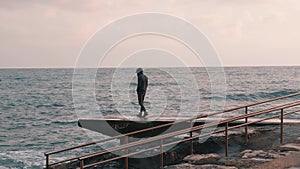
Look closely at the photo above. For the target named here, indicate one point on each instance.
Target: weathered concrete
(114, 125)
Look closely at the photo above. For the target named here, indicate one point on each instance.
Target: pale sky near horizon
(244, 33)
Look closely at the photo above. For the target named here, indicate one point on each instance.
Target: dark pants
(141, 96)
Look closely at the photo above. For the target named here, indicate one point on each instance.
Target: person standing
(141, 90)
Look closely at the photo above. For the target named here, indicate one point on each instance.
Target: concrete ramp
(126, 124)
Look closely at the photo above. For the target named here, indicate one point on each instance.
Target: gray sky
(51, 33)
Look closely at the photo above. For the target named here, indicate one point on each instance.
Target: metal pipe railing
(194, 129)
(165, 125)
(194, 137)
(281, 125)
(226, 138)
(246, 127)
(183, 131)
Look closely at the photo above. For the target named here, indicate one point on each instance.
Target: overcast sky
(244, 32)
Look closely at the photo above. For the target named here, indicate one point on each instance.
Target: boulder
(291, 147)
(207, 166)
(254, 153)
(200, 159)
(242, 163)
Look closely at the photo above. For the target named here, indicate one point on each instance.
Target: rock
(200, 159)
(242, 163)
(207, 166)
(292, 160)
(256, 153)
(291, 147)
(274, 155)
(213, 166)
(246, 151)
(179, 166)
(263, 160)
(285, 153)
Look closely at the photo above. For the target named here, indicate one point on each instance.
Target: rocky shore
(286, 156)
(267, 154)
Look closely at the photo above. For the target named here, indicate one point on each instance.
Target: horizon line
(67, 67)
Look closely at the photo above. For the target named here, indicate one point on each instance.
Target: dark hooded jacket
(142, 83)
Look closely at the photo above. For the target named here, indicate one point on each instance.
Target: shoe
(140, 114)
(145, 114)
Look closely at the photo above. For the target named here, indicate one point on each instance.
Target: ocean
(38, 114)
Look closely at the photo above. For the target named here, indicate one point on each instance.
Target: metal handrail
(186, 130)
(157, 127)
(157, 138)
(172, 143)
(183, 140)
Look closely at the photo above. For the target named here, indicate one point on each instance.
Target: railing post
(81, 164)
(191, 135)
(281, 127)
(126, 158)
(226, 135)
(161, 154)
(246, 126)
(47, 161)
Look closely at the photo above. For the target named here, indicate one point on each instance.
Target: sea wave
(259, 95)
(27, 159)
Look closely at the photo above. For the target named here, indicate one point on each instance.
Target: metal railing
(190, 130)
